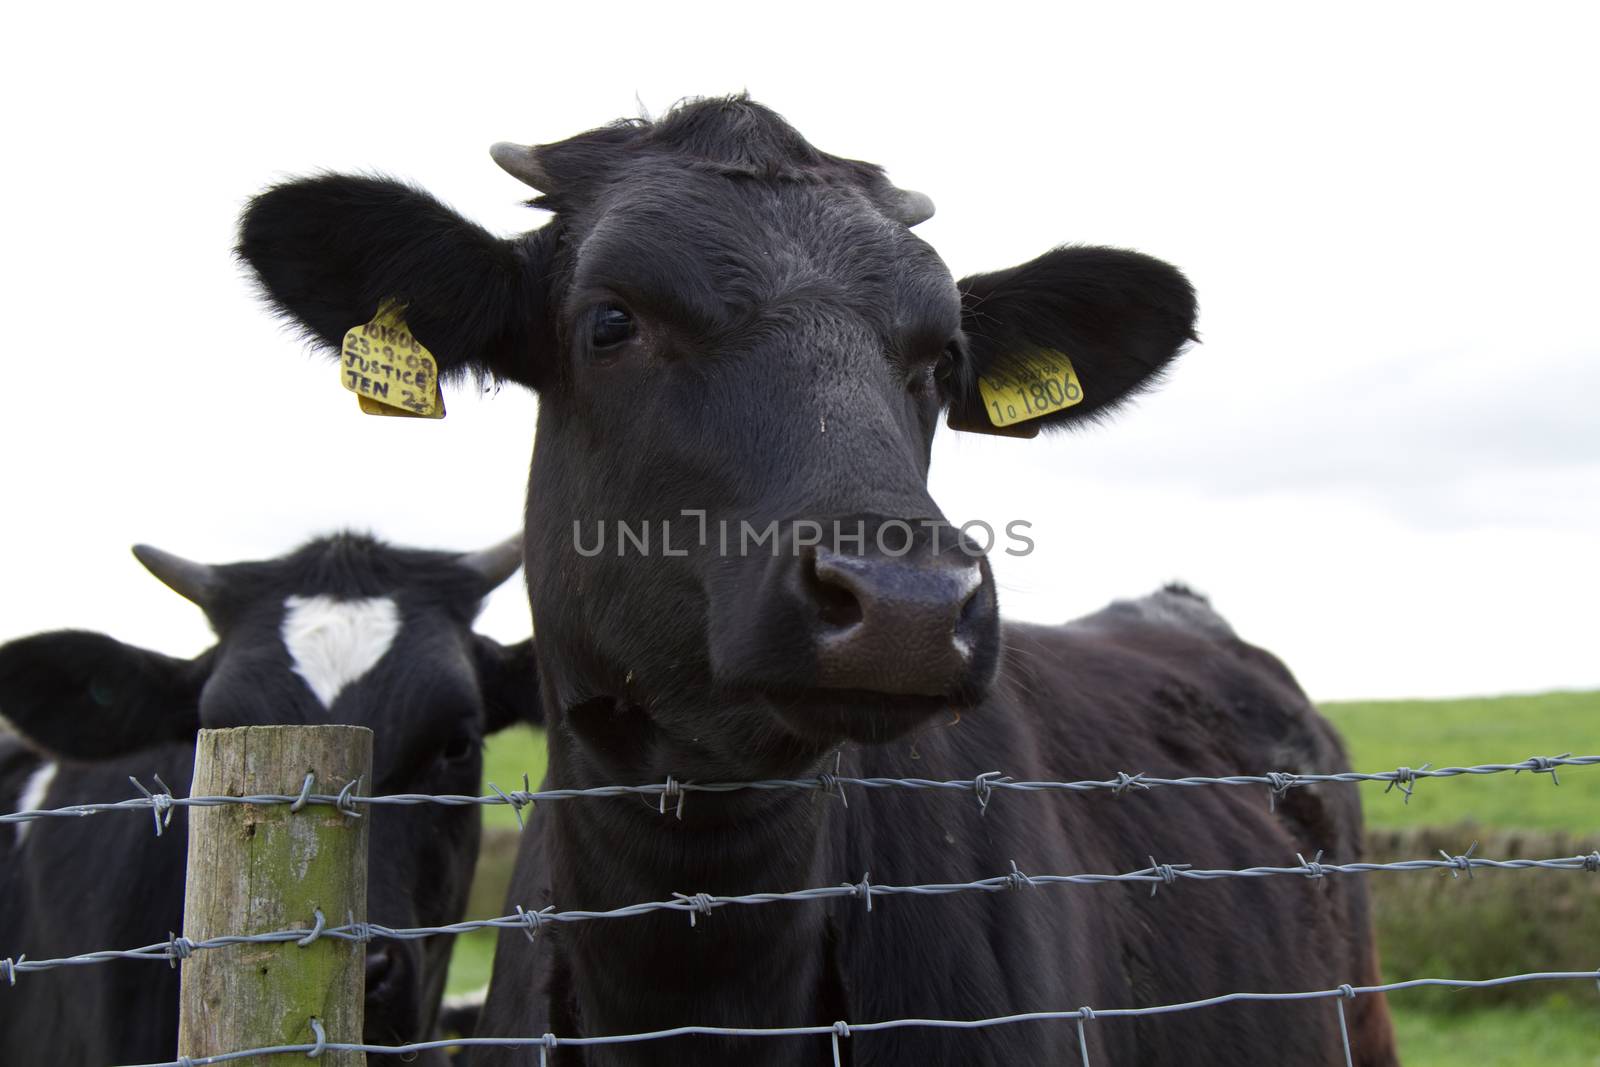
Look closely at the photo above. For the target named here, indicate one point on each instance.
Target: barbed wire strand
(697, 905)
(548, 1041)
(672, 793)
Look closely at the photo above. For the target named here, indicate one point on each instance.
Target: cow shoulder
(1163, 685)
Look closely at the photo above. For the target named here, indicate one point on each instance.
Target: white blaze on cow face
(334, 642)
(33, 794)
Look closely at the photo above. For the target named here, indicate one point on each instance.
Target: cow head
(344, 630)
(741, 353)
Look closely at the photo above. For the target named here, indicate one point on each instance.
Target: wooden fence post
(254, 869)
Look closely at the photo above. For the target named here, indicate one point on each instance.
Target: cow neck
(738, 965)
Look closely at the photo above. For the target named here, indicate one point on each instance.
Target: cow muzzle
(917, 619)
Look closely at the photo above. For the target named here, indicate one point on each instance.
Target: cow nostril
(836, 603)
(379, 963)
(970, 615)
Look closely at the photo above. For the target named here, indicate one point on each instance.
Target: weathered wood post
(259, 868)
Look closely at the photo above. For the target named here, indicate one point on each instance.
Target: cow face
(345, 630)
(742, 353)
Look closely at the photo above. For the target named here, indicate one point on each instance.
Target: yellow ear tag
(389, 370)
(1042, 384)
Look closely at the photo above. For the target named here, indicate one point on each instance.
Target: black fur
(794, 346)
(332, 250)
(104, 710)
(1119, 316)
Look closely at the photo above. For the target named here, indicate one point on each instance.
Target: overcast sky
(1383, 463)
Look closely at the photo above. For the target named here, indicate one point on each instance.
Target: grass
(471, 961)
(1388, 734)
(511, 754)
(1493, 925)
(1557, 1032)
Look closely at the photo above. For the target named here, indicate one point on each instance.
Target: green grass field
(511, 754)
(1508, 917)
(1383, 735)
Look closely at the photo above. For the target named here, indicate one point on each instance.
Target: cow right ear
(84, 696)
(509, 678)
(330, 251)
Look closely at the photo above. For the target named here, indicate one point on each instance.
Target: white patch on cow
(334, 642)
(33, 793)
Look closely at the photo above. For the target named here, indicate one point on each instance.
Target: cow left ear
(1065, 338)
(85, 696)
(330, 251)
(508, 677)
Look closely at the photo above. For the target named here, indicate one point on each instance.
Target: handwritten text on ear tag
(388, 369)
(1040, 384)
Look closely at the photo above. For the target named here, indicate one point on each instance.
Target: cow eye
(938, 372)
(610, 326)
(459, 749)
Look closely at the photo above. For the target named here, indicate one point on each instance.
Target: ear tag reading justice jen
(389, 370)
(1040, 385)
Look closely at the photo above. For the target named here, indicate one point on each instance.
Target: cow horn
(193, 581)
(496, 563)
(522, 163)
(911, 207)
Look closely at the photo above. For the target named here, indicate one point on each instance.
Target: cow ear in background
(508, 677)
(84, 696)
(1116, 317)
(330, 251)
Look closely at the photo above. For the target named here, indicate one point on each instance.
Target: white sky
(1383, 464)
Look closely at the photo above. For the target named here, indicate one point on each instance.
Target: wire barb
(829, 783)
(1312, 866)
(1460, 863)
(516, 801)
(345, 802)
(1545, 765)
(983, 785)
(160, 802)
(1125, 782)
(672, 793)
(532, 920)
(359, 932)
(1405, 779)
(178, 948)
(1278, 785)
(698, 904)
(1017, 880)
(862, 889)
(1167, 872)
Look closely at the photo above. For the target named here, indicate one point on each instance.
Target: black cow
(737, 341)
(346, 630)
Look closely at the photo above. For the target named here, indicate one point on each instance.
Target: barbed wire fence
(672, 795)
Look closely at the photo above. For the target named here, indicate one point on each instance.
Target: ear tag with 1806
(1042, 384)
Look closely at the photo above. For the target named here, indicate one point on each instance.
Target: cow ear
(330, 251)
(1117, 318)
(508, 676)
(84, 696)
